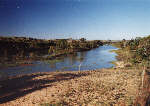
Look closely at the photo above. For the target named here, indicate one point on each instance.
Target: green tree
(82, 39)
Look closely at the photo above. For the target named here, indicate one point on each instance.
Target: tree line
(21, 47)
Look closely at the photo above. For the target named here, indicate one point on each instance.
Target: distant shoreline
(22, 50)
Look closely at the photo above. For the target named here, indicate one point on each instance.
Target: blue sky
(92, 19)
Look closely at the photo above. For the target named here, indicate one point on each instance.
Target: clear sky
(92, 19)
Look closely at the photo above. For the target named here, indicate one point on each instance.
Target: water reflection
(53, 65)
(89, 60)
(72, 58)
(82, 56)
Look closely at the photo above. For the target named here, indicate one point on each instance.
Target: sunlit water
(89, 60)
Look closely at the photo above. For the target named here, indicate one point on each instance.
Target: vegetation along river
(97, 58)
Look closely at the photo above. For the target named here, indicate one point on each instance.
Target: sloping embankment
(99, 87)
(143, 98)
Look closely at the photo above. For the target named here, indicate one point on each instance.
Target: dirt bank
(143, 98)
(99, 87)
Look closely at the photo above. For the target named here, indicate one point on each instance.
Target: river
(97, 58)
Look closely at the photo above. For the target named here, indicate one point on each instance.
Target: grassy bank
(136, 53)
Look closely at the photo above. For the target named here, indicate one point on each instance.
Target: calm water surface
(94, 59)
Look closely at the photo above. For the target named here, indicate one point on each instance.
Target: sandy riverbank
(100, 87)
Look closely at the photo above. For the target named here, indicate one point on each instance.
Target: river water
(89, 60)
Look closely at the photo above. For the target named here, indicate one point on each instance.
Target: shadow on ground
(16, 87)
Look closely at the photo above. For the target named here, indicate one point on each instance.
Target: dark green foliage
(133, 44)
(12, 48)
(82, 39)
(62, 43)
(140, 49)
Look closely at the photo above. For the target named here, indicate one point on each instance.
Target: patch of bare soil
(89, 88)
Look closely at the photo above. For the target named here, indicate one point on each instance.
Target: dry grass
(90, 88)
